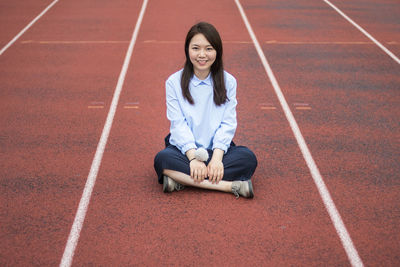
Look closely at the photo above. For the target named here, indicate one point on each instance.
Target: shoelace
(179, 187)
(235, 190)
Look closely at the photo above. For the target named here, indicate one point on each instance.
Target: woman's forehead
(200, 40)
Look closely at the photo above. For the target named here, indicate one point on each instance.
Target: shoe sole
(165, 184)
(251, 190)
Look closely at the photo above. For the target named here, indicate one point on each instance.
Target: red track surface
(49, 133)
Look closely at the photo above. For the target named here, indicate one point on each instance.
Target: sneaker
(243, 188)
(170, 185)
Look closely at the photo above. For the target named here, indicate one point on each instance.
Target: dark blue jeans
(239, 162)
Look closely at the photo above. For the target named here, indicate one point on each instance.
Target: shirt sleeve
(181, 135)
(224, 134)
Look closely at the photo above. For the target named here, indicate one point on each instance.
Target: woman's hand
(198, 171)
(215, 167)
(215, 171)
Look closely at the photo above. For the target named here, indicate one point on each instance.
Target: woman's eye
(210, 49)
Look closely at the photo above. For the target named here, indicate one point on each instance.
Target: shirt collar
(196, 81)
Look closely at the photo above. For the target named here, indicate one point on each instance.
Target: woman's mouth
(202, 62)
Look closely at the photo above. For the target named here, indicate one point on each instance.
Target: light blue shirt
(203, 124)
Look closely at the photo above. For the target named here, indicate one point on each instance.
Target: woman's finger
(220, 175)
(211, 179)
(200, 177)
(204, 173)
(210, 174)
(215, 176)
(196, 175)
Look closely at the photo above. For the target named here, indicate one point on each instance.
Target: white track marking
(27, 27)
(364, 32)
(322, 189)
(74, 42)
(85, 199)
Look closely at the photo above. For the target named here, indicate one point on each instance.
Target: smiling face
(202, 55)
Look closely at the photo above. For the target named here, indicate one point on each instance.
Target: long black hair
(217, 68)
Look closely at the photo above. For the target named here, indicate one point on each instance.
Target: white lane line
(27, 27)
(74, 42)
(87, 192)
(364, 32)
(347, 243)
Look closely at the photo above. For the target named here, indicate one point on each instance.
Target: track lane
(49, 134)
(361, 29)
(379, 18)
(73, 237)
(130, 221)
(351, 124)
(15, 15)
(139, 224)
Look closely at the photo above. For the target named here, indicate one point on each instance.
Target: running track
(57, 85)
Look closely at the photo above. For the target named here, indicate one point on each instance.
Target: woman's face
(202, 55)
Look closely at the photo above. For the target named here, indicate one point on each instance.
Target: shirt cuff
(186, 147)
(220, 146)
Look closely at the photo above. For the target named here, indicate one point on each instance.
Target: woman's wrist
(218, 154)
(190, 154)
(199, 154)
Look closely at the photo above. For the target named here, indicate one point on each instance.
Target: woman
(201, 106)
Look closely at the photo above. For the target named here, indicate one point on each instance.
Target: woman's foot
(243, 188)
(170, 185)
